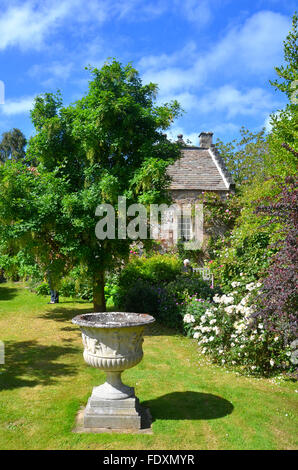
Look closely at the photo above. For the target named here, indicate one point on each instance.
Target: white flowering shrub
(226, 330)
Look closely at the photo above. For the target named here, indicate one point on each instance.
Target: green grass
(195, 405)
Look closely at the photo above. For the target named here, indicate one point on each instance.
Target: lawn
(194, 404)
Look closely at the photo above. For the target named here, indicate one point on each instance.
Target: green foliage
(46, 106)
(246, 249)
(289, 73)
(111, 289)
(283, 140)
(195, 256)
(142, 297)
(139, 285)
(77, 285)
(174, 380)
(157, 286)
(194, 310)
(186, 286)
(153, 171)
(12, 145)
(218, 212)
(43, 289)
(110, 143)
(29, 203)
(19, 265)
(246, 157)
(178, 294)
(248, 258)
(278, 300)
(227, 331)
(155, 269)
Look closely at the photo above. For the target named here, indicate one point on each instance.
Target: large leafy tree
(252, 243)
(12, 145)
(283, 140)
(255, 156)
(110, 143)
(246, 157)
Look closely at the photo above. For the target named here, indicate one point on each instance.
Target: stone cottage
(199, 169)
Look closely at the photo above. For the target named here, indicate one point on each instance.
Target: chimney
(206, 139)
(180, 139)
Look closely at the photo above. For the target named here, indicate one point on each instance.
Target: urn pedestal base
(113, 343)
(112, 414)
(112, 389)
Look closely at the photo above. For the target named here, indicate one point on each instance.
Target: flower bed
(226, 329)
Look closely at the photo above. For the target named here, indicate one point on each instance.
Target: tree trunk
(99, 301)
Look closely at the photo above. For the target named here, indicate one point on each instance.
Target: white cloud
(58, 70)
(138, 10)
(187, 55)
(188, 101)
(243, 54)
(26, 26)
(167, 72)
(197, 11)
(173, 79)
(225, 127)
(219, 130)
(254, 47)
(95, 53)
(18, 106)
(234, 102)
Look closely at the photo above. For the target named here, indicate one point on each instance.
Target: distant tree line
(12, 145)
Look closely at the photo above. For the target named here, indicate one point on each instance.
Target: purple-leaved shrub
(278, 300)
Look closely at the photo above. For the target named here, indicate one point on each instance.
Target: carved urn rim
(113, 319)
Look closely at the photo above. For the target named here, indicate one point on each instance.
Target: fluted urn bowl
(113, 342)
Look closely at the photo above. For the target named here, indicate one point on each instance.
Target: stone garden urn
(113, 342)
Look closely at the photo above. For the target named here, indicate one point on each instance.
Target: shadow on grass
(189, 405)
(29, 363)
(158, 329)
(7, 293)
(65, 314)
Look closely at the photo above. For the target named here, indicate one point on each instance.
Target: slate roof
(202, 169)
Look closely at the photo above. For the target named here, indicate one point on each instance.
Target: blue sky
(215, 57)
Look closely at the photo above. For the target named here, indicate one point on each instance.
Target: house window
(185, 228)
